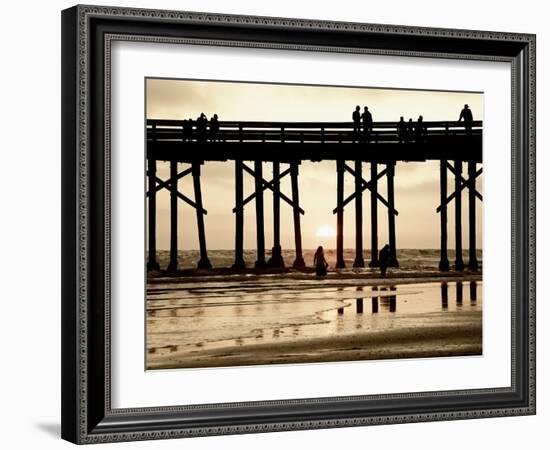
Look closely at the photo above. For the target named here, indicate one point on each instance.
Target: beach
(295, 317)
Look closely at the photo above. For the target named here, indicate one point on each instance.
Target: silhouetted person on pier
(401, 130)
(384, 259)
(202, 125)
(466, 114)
(187, 130)
(367, 124)
(356, 116)
(410, 130)
(419, 130)
(214, 128)
(320, 262)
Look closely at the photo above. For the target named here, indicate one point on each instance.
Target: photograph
(294, 223)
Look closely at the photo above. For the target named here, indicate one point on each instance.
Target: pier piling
(203, 263)
(359, 261)
(299, 261)
(374, 215)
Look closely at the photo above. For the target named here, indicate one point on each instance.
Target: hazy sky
(416, 184)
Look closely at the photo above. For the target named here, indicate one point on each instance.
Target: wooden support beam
(173, 264)
(203, 263)
(365, 185)
(391, 217)
(444, 260)
(276, 259)
(268, 185)
(276, 204)
(459, 263)
(299, 261)
(260, 237)
(472, 260)
(374, 216)
(239, 217)
(165, 184)
(463, 184)
(359, 261)
(182, 196)
(340, 264)
(152, 263)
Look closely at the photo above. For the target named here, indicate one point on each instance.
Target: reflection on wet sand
(225, 325)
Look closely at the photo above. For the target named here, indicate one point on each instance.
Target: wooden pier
(284, 145)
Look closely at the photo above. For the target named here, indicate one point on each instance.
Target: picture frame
(87, 413)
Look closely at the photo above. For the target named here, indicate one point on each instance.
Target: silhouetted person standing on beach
(384, 259)
(466, 114)
(367, 124)
(320, 262)
(401, 130)
(202, 124)
(356, 116)
(214, 128)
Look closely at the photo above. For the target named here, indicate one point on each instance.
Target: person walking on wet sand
(384, 259)
(320, 262)
(356, 116)
(466, 114)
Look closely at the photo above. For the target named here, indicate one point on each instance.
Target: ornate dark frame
(87, 33)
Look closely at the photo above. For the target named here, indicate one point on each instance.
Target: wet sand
(263, 320)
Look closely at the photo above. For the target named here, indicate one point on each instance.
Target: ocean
(417, 260)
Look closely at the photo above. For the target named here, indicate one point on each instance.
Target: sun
(325, 231)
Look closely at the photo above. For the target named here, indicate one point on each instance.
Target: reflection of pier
(386, 297)
(251, 145)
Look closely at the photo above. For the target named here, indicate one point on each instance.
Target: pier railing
(159, 131)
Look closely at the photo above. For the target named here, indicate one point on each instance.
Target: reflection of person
(367, 124)
(320, 262)
(356, 116)
(466, 114)
(384, 259)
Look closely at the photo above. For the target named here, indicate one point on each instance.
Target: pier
(370, 159)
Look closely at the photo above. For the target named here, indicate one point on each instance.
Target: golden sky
(416, 184)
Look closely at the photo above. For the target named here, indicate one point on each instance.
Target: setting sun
(325, 231)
